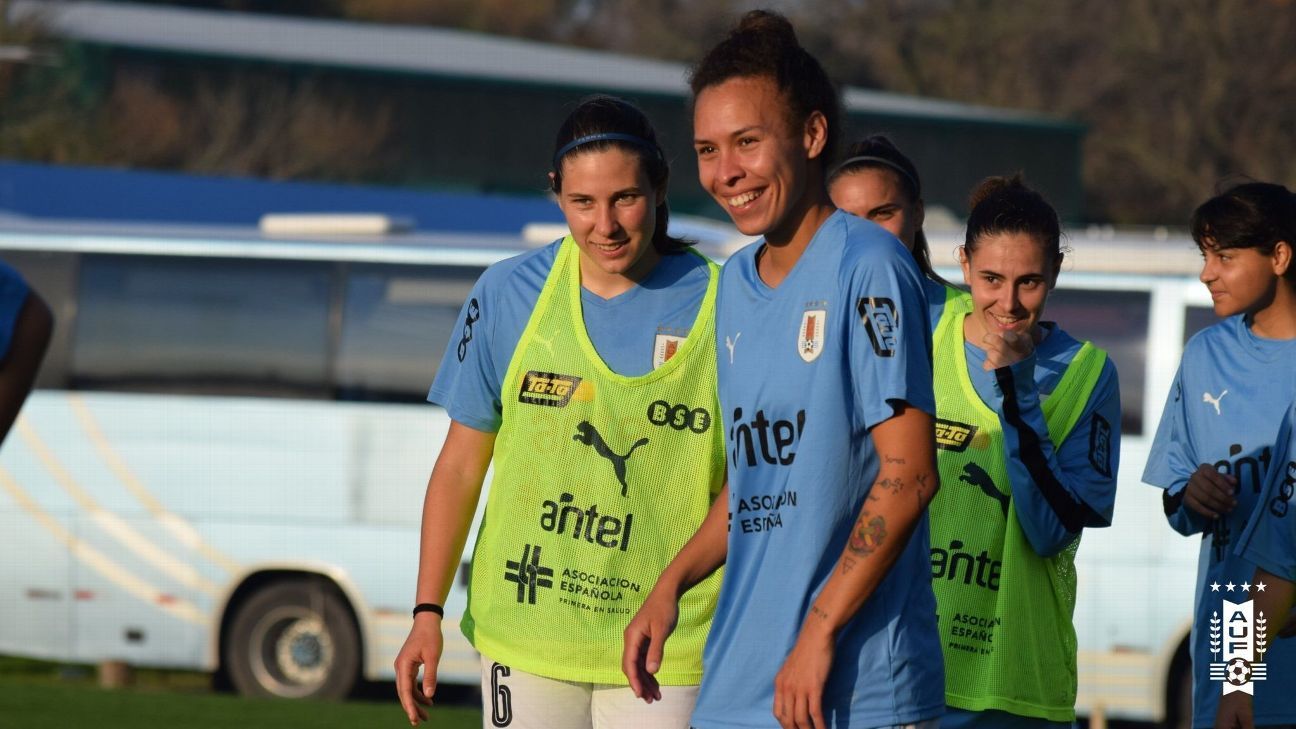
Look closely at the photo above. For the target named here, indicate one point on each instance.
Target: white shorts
(519, 700)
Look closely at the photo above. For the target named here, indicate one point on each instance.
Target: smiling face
(610, 207)
(1010, 275)
(1241, 280)
(876, 194)
(751, 160)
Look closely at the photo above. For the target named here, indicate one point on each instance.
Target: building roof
(421, 50)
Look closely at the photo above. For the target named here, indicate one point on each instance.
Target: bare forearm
(881, 532)
(1275, 601)
(448, 507)
(704, 552)
(906, 483)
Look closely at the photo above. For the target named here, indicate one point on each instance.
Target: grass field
(37, 695)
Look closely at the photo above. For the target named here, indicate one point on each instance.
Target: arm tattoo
(892, 459)
(815, 611)
(848, 564)
(868, 535)
(891, 484)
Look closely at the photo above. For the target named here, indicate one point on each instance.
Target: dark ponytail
(1007, 205)
(764, 45)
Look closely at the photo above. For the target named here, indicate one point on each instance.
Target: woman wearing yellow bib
(585, 373)
(1027, 436)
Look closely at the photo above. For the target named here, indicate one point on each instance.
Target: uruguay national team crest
(665, 347)
(1237, 643)
(810, 338)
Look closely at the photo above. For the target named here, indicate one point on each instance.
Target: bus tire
(294, 638)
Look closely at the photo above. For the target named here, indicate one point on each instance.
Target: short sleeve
(468, 382)
(1172, 458)
(890, 336)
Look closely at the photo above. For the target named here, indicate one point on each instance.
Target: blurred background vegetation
(1175, 94)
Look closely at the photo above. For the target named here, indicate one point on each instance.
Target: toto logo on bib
(1237, 641)
(547, 388)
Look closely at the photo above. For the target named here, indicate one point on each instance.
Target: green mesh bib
(1004, 611)
(599, 481)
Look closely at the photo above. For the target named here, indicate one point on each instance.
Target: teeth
(743, 199)
(607, 246)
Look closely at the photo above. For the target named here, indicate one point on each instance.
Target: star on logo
(1230, 586)
(1215, 587)
(1260, 586)
(1246, 587)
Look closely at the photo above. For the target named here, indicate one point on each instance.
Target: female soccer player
(877, 182)
(586, 372)
(826, 616)
(1214, 447)
(1028, 434)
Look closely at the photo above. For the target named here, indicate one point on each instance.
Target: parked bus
(224, 463)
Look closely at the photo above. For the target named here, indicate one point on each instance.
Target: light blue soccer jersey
(628, 331)
(1224, 409)
(13, 294)
(1270, 539)
(1058, 491)
(806, 369)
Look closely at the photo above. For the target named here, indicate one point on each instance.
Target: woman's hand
(645, 641)
(1209, 492)
(422, 648)
(799, 685)
(1235, 712)
(1005, 349)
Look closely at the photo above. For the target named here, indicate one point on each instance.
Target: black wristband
(427, 607)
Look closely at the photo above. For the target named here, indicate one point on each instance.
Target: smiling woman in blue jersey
(585, 372)
(1217, 442)
(826, 616)
(1027, 437)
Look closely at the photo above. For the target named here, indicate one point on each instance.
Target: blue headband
(605, 137)
(885, 163)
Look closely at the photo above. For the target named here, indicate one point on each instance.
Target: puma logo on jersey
(1207, 397)
(976, 476)
(730, 344)
(587, 434)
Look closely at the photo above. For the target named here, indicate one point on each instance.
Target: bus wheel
(294, 639)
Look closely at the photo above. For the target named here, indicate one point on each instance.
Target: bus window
(1116, 321)
(395, 324)
(1197, 318)
(202, 326)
